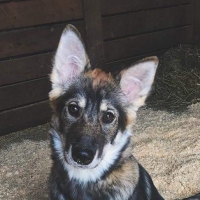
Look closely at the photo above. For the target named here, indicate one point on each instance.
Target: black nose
(82, 156)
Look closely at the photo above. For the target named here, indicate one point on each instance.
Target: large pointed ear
(137, 80)
(70, 60)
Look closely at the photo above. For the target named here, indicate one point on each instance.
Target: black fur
(145, 188)
(195, 197)
(73, 190)
(116, 173)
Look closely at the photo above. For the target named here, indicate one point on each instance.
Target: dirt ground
(166, 144)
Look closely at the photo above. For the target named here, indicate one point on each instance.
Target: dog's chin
(69, 160)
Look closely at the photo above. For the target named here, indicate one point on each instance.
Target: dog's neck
(124, 171)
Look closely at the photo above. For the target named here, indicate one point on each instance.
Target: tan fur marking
(131, 117)
(99, 77)
(127, 174)
(55, 93)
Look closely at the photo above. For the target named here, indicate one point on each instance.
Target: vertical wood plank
(196, 22)
(93, 29)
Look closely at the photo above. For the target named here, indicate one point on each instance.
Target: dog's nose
(82, 156)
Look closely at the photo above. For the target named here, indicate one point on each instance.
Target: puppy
(91, 130)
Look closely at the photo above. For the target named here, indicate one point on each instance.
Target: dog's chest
(117, 185)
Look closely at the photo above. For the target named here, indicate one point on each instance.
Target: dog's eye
(74, 110)
(108, 117)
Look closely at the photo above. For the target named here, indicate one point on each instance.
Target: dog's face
(94, 112)
(91, 115)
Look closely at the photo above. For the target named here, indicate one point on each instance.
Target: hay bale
(177, 81)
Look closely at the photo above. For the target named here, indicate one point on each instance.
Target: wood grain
(28, 41)
(116, 66)
(26, 68)
(24, 117)
(93, 28)
(31, 13)
(25, 93)
(146, 43)
(147, 21)
(196, 13)
(118, 6)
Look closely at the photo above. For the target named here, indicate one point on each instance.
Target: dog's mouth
(82, 157)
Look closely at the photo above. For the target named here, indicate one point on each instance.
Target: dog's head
(93, 111)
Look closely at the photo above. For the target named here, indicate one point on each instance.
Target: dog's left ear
(137, 80)
(69, 62)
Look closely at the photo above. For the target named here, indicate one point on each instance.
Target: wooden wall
(29, 34)
(134, 29)
(116, 33)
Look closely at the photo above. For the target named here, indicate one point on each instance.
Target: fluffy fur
(92, 125)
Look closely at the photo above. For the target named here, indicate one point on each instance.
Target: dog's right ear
(70, 61)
